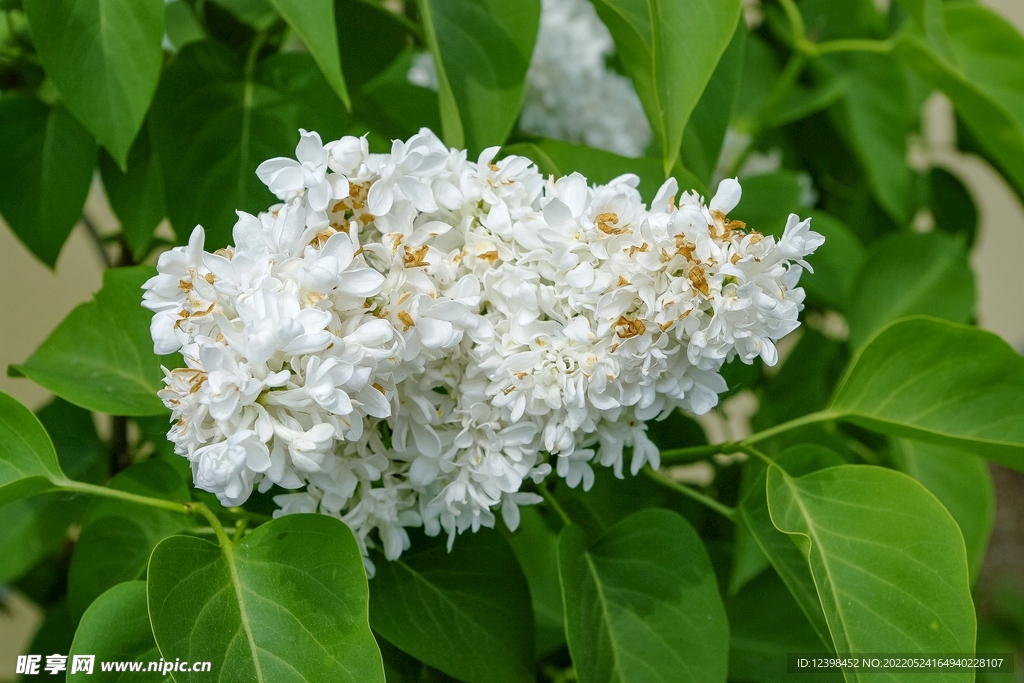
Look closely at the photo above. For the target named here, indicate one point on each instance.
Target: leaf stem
(218, 528)
(724, 510)
(750, 450)
(550, 499)
(107, 492)
(676, 456)
(812, 418)
(796, 21)
(97, 240)
(850, 45)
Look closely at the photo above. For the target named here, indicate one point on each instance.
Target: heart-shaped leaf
(888, 561)
(642, 603)
(466, 612)
(28, 462)
(286, 603)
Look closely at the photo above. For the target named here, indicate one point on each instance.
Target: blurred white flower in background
(410, 339)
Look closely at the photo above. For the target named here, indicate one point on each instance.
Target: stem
(750, 450)
(796, 21)
(676, 456)
(813, 418)
(97, 240)
(82, 487)
(724, 510)
(120, 458)
(784, 86)
(240, 526)
(851, 45)
(555, 505)
(218, 528)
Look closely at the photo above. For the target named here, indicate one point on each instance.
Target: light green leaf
(986, 86)
(213, 124)
(137, 195)
(181, 24)
(937, 382)
(104, 56)
(101, 356)
(562, 158)
(670, 49)
(765, 624)
(887, 559)
(286, 603)
(481, 51)
(962, 483)
(466, 612)
(880, 117)
(133, 529)
(116, 629)
(642, 603)
(536, 549)
(313, 22)
(28, 461)
(705, 131)
(780, 551)
(911, 274)
(47, 166)
(929, 16)
(32, 528)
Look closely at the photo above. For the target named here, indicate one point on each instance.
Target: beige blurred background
(38, 299)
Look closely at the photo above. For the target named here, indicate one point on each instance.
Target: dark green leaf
(887, 559)
(466, 612)
(116, 629)
(101, 356)
(481, 51)
(47, 167)
(962, 483)
(133, 529)
(767, 201)
(780, 551)
(985, 86)
(937, 382)
(536, 549)
(313, 22)
(259, 14)
(805, 101)
(286, 603)
(669, 62)
(880, 117)
(932, 21)
(104, 56)
(28, 462)
(911, 274)
(397, 107)
(953, 208)
(34, 527)
(765, 624)
(642, 603)
(136, 196)
(705, 131)
(212, 125)
(181, 24)
(836, 263)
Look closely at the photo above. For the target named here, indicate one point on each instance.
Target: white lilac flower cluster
(409, 338)
(571, 93)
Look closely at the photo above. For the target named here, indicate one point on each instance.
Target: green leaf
(562, 158)
(466, 612)
(104, 56)
(929, 16)
(536, 549)
(642, 603)
(669, 61)
(481, 51)
(962, 483)
(32, 528)
(181, 25)
(767, 201)
(887, 559)
(398, 108)
(313, 22)
(131, 528)
(213, 124)
(776, 546)
(985, 86)
(705, 131)
(953, 207)
(937, 382)
(911, 274)
(765, 624)
(258, 14)
(836, 263)
(115, 628)
(286, 603)
(137, 195)
(47, 167)
(28, 461)
(880, 117)
(101, 356)
(805, 101)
